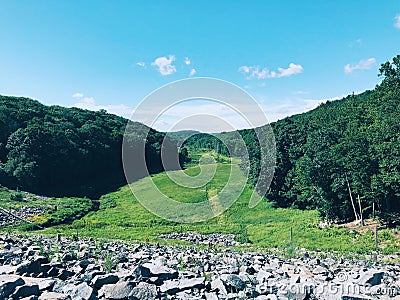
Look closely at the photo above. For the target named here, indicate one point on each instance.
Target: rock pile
(220, 239)
(24, 212)
(42, 268)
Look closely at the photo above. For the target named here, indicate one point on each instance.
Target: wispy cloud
(90, 104)
(397, 21)
(300, 93)
(77, 95)
(192, 72)
(364, 64)
(357, 42)
(294, 106)
(258, 73)
(164, 65)
(141, 64)
(187, 61)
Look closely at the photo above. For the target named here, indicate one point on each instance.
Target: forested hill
(343, 153)
(60, 151)
(342, 158)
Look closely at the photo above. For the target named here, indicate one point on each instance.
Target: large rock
(372, 277)
(8, 284)
(161, 272)
(174, 286)
(170, 287)
(28, 267)
(263, 276)
(100, 280)
(26, 291)
(118, 291)
(79, 292)
(193, 283)
(46, 284)
(144, 291)
(7, 269)
(318, 270)
(218, 286)
(233, 283)
(54, 296)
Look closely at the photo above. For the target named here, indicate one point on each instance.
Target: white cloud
(182, 116)
(362, 65)
(397, 21)
(256, 72)
(187, 61)
(117, 109)
(192, 72)
(141, 64)
(77, 95)
(202, 115)
(164, 65)
(88, 100)
(245, 69)
(289, 107)
(275, 112)
(300, 92)
(357, 42)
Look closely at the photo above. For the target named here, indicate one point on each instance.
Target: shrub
(17, 197)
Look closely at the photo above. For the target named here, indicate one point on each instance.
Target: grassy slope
(58, 210)
(122, 217)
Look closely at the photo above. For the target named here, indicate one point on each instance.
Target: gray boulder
(46, 284)
(144, 291)
(100, 280)
(54, 296)
(372, 277)
(118, 291)
(8, 284)
(24, 291)
(233, 283)
(161, 272)
(28, 267)
(79, 292)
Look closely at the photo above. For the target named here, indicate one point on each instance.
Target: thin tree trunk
(373, 210)
(361, 215)
(351, 198)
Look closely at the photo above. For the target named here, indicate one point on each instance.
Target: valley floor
(38, 267)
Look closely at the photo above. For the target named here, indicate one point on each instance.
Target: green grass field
(57, 210)
(121, 216)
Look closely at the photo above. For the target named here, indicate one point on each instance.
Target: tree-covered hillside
(342, 158)
(61, 151)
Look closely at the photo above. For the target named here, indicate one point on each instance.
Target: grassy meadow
(122, 216)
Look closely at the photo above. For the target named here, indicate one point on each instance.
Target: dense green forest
(59, 151)
(342, 158)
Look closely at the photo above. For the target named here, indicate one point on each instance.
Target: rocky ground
(206, 239)
(44, 268)
(24, 212)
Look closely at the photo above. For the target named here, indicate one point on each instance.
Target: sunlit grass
(122, 217)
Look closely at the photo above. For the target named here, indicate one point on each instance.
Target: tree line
(58, 151)
(342, 158)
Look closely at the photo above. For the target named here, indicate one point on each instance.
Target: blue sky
(289, 55)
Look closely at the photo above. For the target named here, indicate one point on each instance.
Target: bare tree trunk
(351, 198)
(373, 210)
(361, 215)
